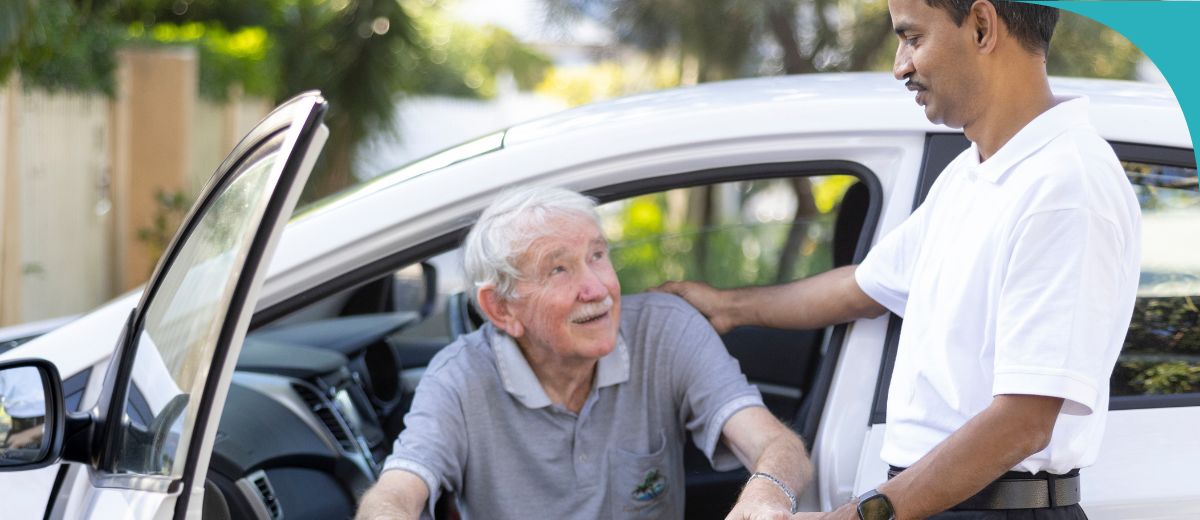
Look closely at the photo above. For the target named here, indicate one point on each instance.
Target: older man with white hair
(574, 403)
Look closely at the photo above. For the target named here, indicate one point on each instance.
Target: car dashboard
(309, 419)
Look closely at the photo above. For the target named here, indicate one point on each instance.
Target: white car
(256, 379)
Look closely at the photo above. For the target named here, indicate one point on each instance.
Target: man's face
(936, 59)
(569, 298)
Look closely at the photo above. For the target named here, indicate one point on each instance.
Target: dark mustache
(914, 85)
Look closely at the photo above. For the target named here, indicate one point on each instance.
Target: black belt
(1021, 490)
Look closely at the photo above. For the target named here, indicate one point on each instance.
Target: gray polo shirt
(481, 426)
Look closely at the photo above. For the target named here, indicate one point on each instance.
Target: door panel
(181, 341)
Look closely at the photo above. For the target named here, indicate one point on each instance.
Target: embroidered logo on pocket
(651, 487)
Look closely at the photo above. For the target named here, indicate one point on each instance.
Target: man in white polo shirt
(1016, 279)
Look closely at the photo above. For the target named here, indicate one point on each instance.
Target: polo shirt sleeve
(433, 445)
(711, 383)
(1061, 291)
(887, 272)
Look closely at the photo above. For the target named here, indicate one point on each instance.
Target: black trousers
(1073, 512)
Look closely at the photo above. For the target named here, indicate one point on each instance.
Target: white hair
(509, 225)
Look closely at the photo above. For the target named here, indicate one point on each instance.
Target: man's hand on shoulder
(705, 298)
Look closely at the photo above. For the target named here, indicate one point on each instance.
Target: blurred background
(114, 113)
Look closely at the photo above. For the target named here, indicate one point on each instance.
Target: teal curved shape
(1167, 33)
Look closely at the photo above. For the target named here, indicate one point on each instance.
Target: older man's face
(569, 299)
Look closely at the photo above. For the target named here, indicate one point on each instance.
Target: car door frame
(297, 123)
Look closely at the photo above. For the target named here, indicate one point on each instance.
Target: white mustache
(592, 310)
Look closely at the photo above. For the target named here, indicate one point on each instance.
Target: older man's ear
(497, 310)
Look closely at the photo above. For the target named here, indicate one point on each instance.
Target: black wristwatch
(874, 505)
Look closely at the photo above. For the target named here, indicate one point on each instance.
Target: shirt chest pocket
(641, 485)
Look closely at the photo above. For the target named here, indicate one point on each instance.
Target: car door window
(183, 321)
(729, 234)
(1161, 355)
(739, 233)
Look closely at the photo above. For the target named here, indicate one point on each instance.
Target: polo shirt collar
(519, 380)
(1068, 112)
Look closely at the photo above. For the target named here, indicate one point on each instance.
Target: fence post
(10, 208)
(152, 115)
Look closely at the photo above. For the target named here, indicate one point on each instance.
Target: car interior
(320, 391)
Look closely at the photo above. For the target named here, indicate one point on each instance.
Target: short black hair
(1030, 24)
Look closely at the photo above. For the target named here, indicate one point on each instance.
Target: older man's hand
(761, 500)
(846, 512)
(706, 299)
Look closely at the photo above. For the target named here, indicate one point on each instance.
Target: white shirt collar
(519, 380)
(1068, 112)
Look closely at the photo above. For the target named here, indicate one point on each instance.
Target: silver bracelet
(782, 487)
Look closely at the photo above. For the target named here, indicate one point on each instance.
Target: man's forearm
(991, 443)
(786, 459)
(398, 495)
(815, 302)
(765, 445)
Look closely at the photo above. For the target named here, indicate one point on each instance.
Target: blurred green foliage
(657, 237)
(170, 207)
(458, 59)
(238, 59)
(57, 46)
(361, 54)
(1161, 354)
(1086, 48)
(1156, 378)
(733, 38)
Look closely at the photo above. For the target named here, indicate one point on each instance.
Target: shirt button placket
(585, 463)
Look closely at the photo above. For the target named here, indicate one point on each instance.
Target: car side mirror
(31, 414)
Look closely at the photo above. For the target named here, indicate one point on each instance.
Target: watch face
(875, 507)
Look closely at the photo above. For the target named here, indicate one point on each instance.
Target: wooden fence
(71, 194)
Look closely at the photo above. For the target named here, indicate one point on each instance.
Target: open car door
(181, 342)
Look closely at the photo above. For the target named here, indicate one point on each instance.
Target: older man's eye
(599, 254)
(558, 270)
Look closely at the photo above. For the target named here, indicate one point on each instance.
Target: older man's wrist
(769, 489)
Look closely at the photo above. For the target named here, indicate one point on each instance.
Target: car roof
(832, 102)
(806, 104)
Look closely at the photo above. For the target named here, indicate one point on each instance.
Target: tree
(363, 55)
(735, 38)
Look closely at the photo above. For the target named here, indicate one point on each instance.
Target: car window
(729, 234)
(1161, 355)
(182, 323)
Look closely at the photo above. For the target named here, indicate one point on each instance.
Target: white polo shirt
(1016, 276)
